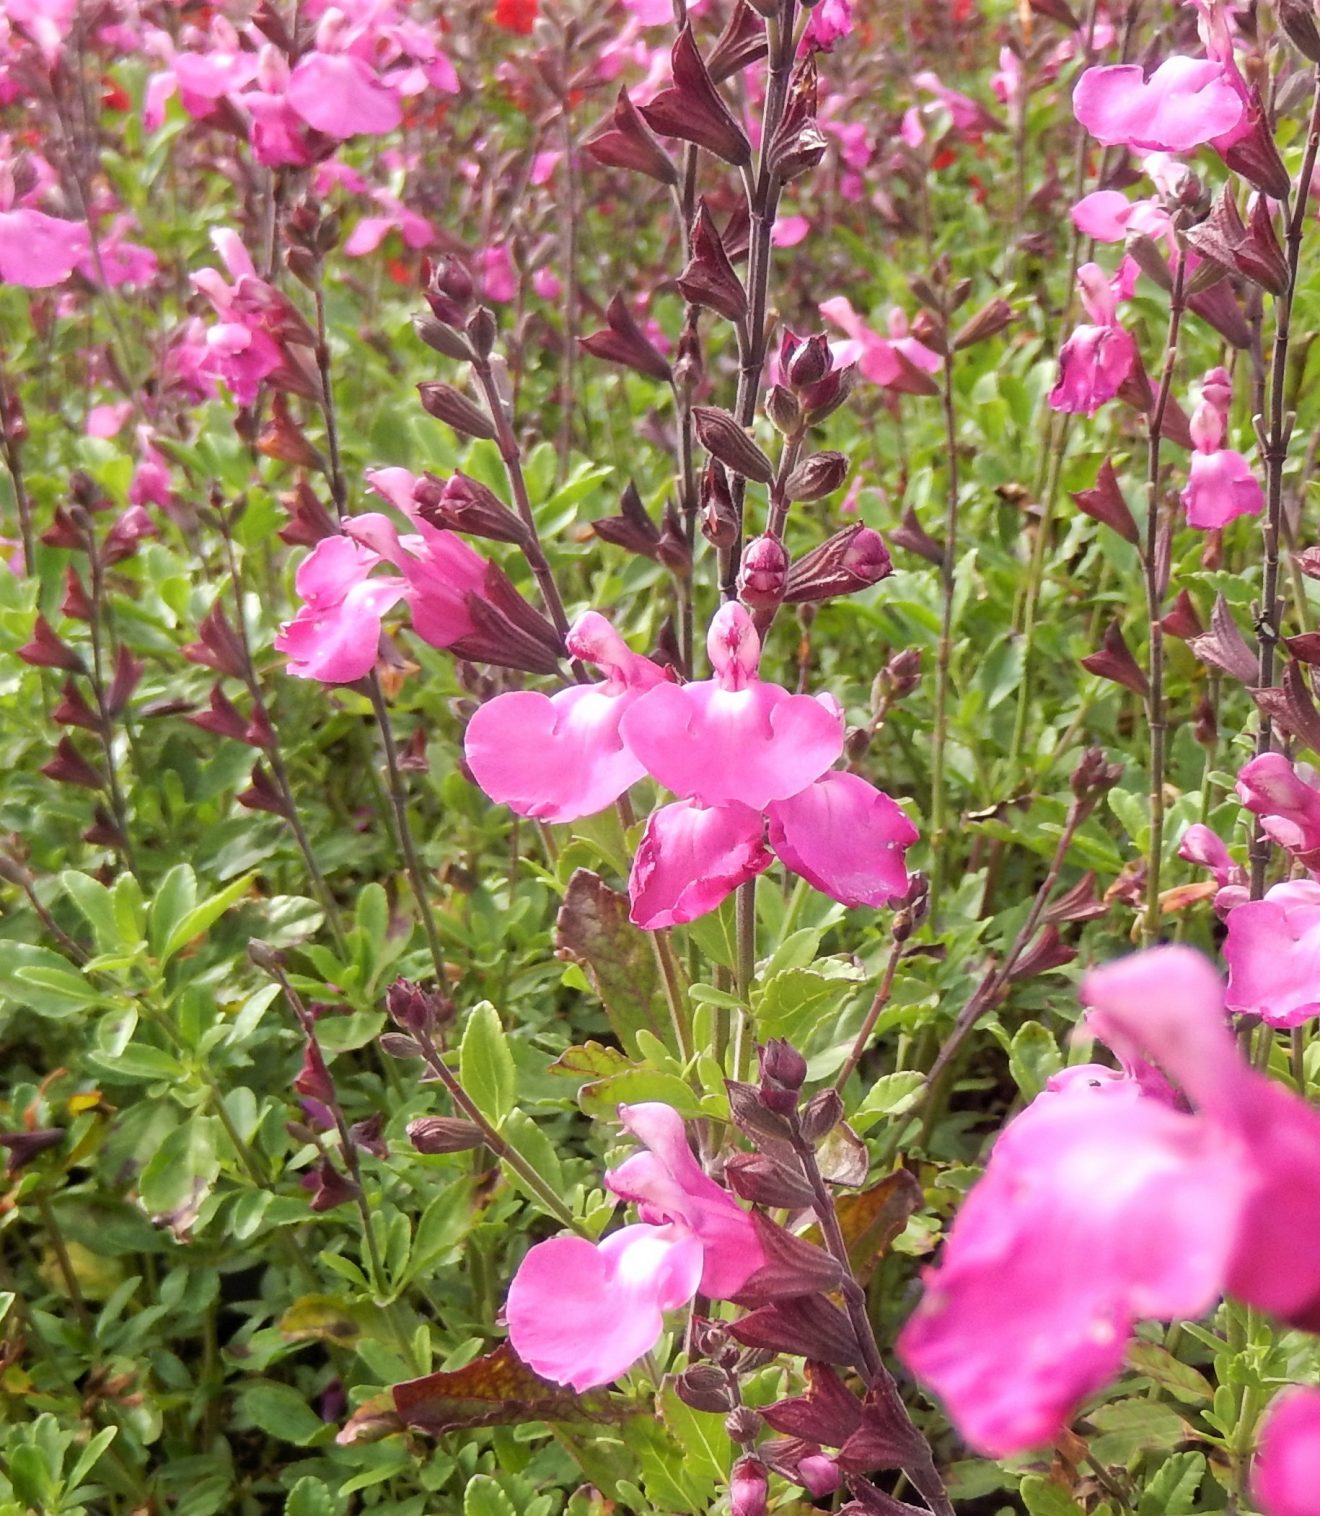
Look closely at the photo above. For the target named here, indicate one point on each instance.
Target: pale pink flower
(1273, 954)
(1220, 485)
(968, 115)
(336, 633)
(887, 361)
(831, 21)
(560, 757)
(789, 231)
(342, 96)
(1286, 1473)
(1185, 102)
(735, 737)
(37, 250)
(691, 858)
(582, 1315)
(1286, 796)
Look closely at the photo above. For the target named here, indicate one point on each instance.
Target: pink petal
(1098, 1208)
(846, 838)
(340, 96)
(1286, 1474)
(37, 251)
(583, 1315)
(1273, 955)
(1103, 214)
(338, 644)
(1287, 801)
(690, 859)
(1093, 364)
(1184, 103)
(556, 758)
(1220, 487)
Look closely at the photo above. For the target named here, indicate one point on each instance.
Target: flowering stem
(1155, 712)
(11, 434)
(105, 721)
(512, 457)
(1277, 435)
(745, 916)
(881, 999)
(502, 1150)
(762, 207)
(338, 486)
(669, 978)
(920, 1470)
(400, 802)
(948, 585)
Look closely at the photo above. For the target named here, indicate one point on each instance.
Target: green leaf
(96, 905)
(530, 1142)
(281, 1412)
(485, 1063)
(1180, 1379)
(890, 1095)
(707, 1448)
(90, 1456)
(309, 1497)
(795, 1002)
(175, 896)
(1129, 1427)
(1043, 1497)
(183, 1166)
(483, 1497)
(1033, 1058)
(201, 918)
(1173, 1488)
(139, 1061)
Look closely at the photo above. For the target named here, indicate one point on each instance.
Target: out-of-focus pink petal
(1184, 103)
(1201, 846)
(583, 1315)
(1103, 214)
(790, 230)
(1286, 1474)
(339, 95)
(846, 838)
(1093, 364)
(338, 644)
(368, 235)
(1098, 1208)
(690, 858)
(1273, 955)
(36, 250)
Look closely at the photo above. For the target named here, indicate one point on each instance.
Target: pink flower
(831, 21)
(1185, 102)
(845, 837)
(37, 250)
(968, 114)
(1286, 797)
(1273, 954)
(1107, 1201)
(1286, 1473)
(583, 1315)
(735, 737)
(1220, 484)
(1096, 359)
(691, 858)
(886, 361)
(340, 95)
(560, 757)
(335, 635)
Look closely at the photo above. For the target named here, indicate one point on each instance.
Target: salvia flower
(1109, 1201)
(1185, 102)
(1098, 357)
(1286, 796)
(1273, 954)
(1220, 484)
(1286, 1473)
(583, 1314)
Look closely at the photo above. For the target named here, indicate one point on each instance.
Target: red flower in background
(515, 15)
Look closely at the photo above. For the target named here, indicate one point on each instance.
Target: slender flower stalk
(1277, 427)
(944, 654)
(1152, 570)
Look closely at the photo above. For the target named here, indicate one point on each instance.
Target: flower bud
(447, 404)
(623, 341)
(817, 476)
(719, 519)
(724, 439)
(441, 338)
(482, 330)
(466, 505)
(704, 1388)
(811, 362)
(822, 1114)
(1298, 20)
(709, 278)
(444, 1134)
(758, 1177)
(823, 398)
(763, 573)
(782, 1062)
(784, 410)
(989, 321)
(849, 561)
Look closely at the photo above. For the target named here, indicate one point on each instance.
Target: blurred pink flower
(560, 757)
(341, 96)
(1185, 102)
(1273, 954)
(1286, 1473)
(887, 361)
(37, 250)
(582, 1315)
(1107, 1201)
(831, 21)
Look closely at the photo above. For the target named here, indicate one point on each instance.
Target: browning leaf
(497, 1389)
(872, 1219)
(593, 931)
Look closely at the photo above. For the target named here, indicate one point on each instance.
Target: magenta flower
(582, 1315)
(1286, 797)
(560, 757)
(1286, 1473)
(885, 361)
(845, 837)
(1185, 102)
(37, 250)
(341, 96)
(692, 857)
(1220, 485)
(1273, 954)
(735, 737)
(335, 635)
(1106, 1202)
(1096, 359)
